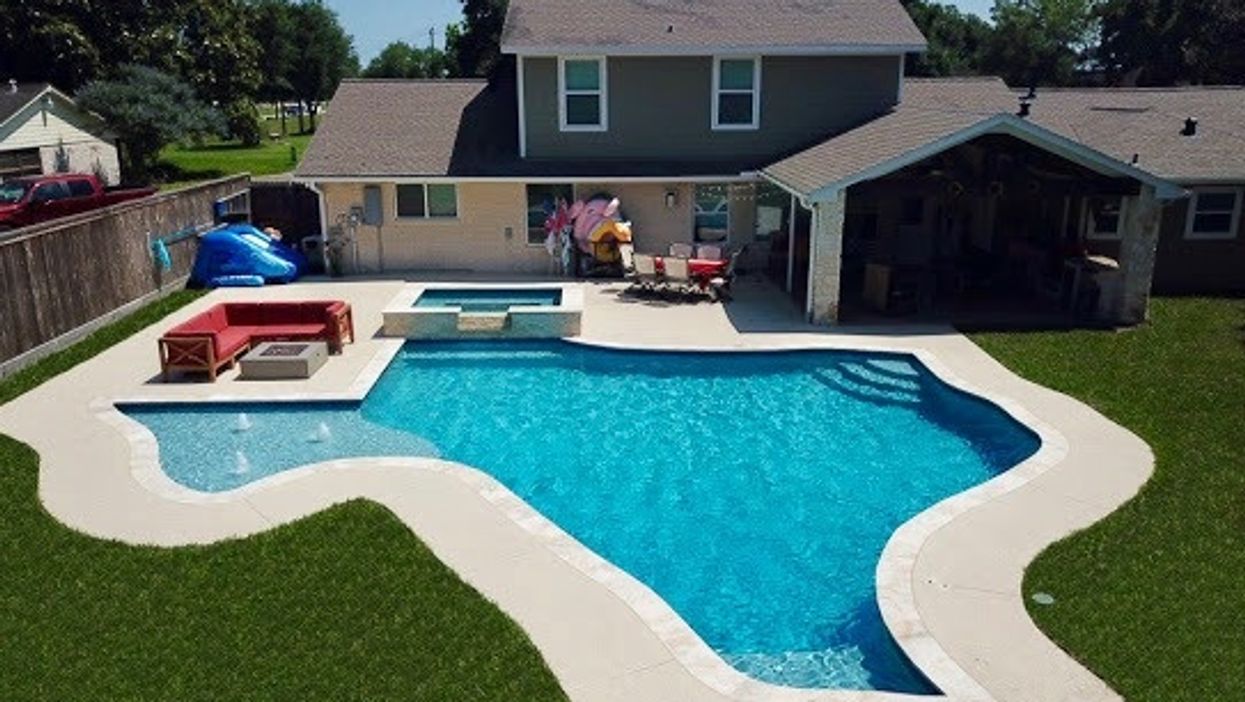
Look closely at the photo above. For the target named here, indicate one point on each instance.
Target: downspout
(815, 222)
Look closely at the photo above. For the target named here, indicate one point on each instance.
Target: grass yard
(346, 604)
(186, 165)
(1153, 598)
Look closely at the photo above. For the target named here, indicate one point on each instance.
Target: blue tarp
(242, 250)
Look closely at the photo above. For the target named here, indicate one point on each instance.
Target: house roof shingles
(930, 110)
(467, 129)
(13, 101)
(681, 25)
(1148, 123)
(1120, 123)
(391, 128)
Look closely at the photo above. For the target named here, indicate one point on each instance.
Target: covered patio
(975, 218)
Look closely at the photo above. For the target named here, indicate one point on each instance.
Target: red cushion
(245, 314)
(232, 340)
(290, 331)
(202, 324)
(233, 325)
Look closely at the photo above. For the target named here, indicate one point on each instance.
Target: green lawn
(347, 604)
(1153, 598)
(186, 165)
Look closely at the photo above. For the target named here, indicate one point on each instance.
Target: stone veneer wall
(1138, 251)
(827, 259)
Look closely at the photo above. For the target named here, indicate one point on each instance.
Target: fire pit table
(284, 360)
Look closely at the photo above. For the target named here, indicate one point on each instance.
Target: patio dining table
(702, 270)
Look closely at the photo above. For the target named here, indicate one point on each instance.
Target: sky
(374, 23)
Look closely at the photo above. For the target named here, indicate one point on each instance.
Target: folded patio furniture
(216, 338)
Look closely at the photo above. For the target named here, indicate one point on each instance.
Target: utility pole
(432, 37)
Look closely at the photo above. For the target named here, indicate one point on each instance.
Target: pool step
(857, 386)
(483, 322)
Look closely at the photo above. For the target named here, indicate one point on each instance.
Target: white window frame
(1214, 236)
(1092, 233)
(602, 94)
(717, 92)
(428, 216)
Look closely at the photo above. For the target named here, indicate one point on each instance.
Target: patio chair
(678, 275)
(709, 252)
(681, 250)
(626, 253)
(720, 287)
(645, 275)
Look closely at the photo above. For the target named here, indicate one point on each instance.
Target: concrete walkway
(949, 581)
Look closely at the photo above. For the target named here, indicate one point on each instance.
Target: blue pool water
(491, 299)
(753, 492)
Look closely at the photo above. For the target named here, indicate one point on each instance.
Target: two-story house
(791, 130)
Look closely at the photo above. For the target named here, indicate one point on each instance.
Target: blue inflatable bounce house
(239, 255)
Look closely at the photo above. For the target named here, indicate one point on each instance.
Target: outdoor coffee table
(284, 360)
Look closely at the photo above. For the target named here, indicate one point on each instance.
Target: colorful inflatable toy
(241, 255)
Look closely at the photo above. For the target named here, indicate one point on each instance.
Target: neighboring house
(43, 131)
(799, 137)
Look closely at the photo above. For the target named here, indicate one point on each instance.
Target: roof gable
(13, 101)
(657, 27)
(935, 116)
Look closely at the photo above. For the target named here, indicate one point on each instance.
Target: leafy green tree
(475, 45)
(1040, 42)
(401, 60)
(148, 109)
(1167, 42)
(956, 40)
(324, 56)
(272, 24)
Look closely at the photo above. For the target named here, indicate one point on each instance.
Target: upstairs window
(1214, 214)
(736, 93)
(582, 94)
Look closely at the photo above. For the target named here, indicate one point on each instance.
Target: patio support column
(825, 260)
(1138, 248)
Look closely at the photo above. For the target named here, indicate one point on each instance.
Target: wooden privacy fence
(64, 277)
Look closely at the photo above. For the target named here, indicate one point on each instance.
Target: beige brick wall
(489, 234)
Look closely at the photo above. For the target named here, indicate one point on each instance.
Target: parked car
(26, 201)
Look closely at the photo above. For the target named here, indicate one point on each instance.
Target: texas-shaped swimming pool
(753, 492)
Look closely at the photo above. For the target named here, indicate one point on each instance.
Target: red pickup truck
(26, 201)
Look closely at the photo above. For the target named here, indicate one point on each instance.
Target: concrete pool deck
(949, 582)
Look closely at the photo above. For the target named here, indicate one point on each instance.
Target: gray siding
(1191, 266)
(660, 108)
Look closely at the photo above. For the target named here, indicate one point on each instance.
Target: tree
(1167, 42)
(401, 60)
(956, 40)
(217, 53)
(475, 45)
(273, 27)
(148, 109)
(324, 56)
(1040, 42)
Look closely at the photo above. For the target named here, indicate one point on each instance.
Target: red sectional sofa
(216, 338)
